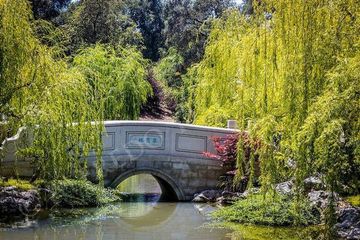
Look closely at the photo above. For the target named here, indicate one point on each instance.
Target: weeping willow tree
(275, 72)
(117, 80)
(46, 96)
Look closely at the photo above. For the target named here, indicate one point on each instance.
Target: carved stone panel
(191, 143)
(108, 139)
(147, 140)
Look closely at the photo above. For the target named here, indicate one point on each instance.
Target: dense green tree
(117, 80)
(147, 14)
(188, 23)
(44, 95)
(97, 21)
(273, 71)
(169, 68)
(48, 9)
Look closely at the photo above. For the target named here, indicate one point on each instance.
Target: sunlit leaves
(286, 73)
(117, 80)
(46, 96)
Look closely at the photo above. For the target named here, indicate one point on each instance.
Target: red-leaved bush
(226, 150)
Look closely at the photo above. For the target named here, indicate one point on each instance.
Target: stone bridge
(172, 153)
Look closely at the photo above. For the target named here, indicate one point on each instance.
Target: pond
(143, 220)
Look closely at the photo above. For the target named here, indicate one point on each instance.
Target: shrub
(226, 150)
(274, 211)
(237, 152)
(80, 193)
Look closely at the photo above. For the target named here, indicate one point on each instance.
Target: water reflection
(144, 220)
(140, 188)
(123, 221)
(141, 183)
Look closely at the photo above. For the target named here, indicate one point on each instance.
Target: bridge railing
(127, 139)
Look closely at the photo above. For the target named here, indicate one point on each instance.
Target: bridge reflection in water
(131, 220)
(140, 188)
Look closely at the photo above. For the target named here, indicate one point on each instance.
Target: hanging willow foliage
(269, 69)
(46, 96)
(117, 79)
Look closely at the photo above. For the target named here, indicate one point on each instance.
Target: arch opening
(169, 190)
(140, 188)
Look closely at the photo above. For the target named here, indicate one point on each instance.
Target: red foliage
(226, 148)
(226, 152)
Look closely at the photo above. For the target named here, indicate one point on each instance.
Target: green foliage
(168, 73)
(253, 232)
(270, 210)
(329, 138)
(168, 69)
(188, 24)
(54, 37)
(265, 144)
(117, 80)
(186, 105)
(49, 9)
(96, 21)
(148, 16)
(354, 200)
(18, 183)
(214, 116)
(80, 193)
(289, 73)
(45, 96)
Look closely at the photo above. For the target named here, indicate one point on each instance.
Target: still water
(125, 220)
(121, 221)
(142, 220)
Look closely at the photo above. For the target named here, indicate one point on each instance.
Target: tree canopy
(288, 73)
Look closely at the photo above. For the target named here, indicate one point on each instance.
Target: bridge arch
(170, 191)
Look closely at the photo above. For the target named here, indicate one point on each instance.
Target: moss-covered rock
(17, 203)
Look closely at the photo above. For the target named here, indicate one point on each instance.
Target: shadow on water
(141, 197)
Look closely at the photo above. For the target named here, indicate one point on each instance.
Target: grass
(18, 183)
(252, 232)
(271, 211)
(354, 200)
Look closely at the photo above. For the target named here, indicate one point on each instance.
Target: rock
(205, 209)
(228, 194)
(228, 198)
(250, 191)
(291, 163)
(225, 201)
(207, 196)
(319, 199)
(313, 184)
(348, 226)
(284, 188)
(17, 203)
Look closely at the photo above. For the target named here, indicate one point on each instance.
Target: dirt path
(157, 107)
